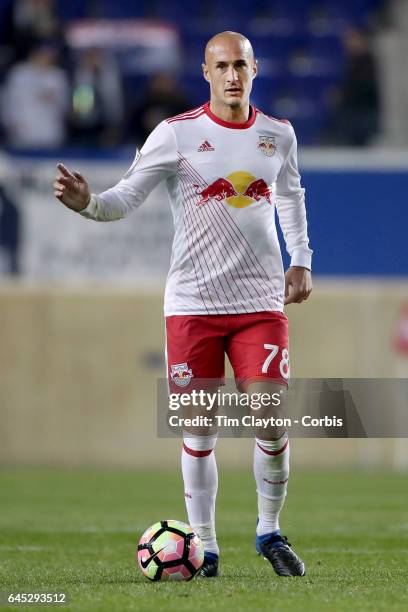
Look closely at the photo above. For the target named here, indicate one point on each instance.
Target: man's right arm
(156, 161)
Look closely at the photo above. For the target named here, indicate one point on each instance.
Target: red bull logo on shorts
(181, 374)
(239, 189)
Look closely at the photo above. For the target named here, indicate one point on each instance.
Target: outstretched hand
(71, 189)
(298, 285)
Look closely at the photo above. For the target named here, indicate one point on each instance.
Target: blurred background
(81, 324)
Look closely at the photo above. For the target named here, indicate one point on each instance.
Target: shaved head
(225, 39)
(229, 68)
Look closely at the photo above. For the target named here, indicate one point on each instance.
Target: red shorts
(256, 345)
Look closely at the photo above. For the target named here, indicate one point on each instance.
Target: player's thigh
(259, 350)
(195, 362)
(195, 352)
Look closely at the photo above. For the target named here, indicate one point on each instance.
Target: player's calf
(200, 487)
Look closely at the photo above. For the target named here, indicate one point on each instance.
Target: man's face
(230, 68)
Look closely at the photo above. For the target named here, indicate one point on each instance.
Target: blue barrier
(358, 218)
(358, 222)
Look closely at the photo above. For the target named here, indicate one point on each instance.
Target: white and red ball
(170, 550)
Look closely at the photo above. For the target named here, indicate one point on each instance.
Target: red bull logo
(221, 189)
(259, 189)
(239, 189)
(181, 374)
(267, 145)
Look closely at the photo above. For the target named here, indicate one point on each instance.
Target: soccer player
(227, 167)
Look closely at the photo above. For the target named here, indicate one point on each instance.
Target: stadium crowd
(54, 95)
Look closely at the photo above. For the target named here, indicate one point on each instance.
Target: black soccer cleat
(209, 568)
(276, 549)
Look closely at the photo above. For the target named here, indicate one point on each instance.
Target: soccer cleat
(276, 549)
(209, 568)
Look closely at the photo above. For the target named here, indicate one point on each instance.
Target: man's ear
(205, 72)
(255, 69)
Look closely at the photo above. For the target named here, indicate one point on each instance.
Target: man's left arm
(290, 205)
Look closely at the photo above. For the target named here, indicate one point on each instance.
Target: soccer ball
(170, 550)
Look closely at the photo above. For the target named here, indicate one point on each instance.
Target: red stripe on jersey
(187, 114)
(186, 118)
(273, 453)
(196, 453)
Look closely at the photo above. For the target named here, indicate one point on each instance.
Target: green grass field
(77, 530)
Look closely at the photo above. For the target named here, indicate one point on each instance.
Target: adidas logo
(205, 146)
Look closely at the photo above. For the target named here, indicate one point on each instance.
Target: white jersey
(224, 181)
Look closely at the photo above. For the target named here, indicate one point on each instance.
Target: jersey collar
(230, 124)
